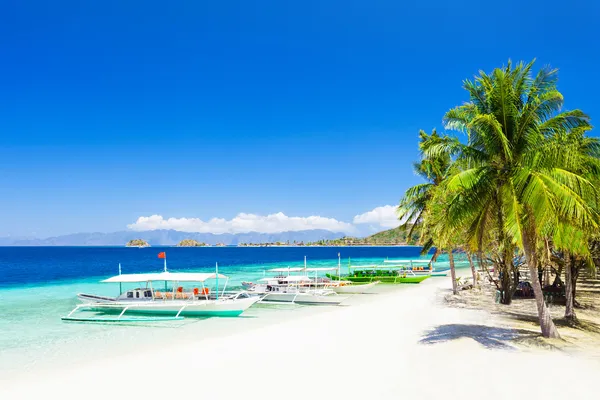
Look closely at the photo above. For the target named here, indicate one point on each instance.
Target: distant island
(137, 243)
(390, 237)
(314, 237)
(169, 237)
(191, 243)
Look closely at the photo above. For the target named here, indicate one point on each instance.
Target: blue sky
(118, 110)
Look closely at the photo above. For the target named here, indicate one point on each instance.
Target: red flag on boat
(162, 254)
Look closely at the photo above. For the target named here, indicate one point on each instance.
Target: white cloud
(377, 219)
(243, 222)
(384, 216)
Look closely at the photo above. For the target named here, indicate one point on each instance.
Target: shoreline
(400, 341)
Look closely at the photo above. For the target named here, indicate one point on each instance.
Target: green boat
(382, 279)
(382, 273)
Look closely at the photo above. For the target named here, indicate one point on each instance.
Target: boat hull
(382, 279)
(355, 288)
(204, 308)
(303, 298)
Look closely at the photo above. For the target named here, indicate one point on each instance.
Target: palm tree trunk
(472, 268)
(570, 306)
(547, 325)
(436, 254)
(452, 272)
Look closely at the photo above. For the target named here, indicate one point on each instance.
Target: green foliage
(525, 162)
(523, 182)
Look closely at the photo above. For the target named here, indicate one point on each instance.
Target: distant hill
(171, 238)
(390, 237)
(393, 236)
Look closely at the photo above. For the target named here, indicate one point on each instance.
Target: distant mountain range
(171, 237)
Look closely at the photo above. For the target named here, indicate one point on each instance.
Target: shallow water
(39, 286)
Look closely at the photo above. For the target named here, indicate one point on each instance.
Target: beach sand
(399, 344)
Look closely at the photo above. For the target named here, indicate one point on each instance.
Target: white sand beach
(401, 344)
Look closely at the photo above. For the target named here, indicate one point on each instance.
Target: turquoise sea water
(39, 285)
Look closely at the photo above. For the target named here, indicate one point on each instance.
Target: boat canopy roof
(294, 278)
(299, 269)
(288, 269)
(165, 276)
(377, 266)
(321, 269)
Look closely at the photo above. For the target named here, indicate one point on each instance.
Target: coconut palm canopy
(524, 175)
(513, 160)
(417, 199)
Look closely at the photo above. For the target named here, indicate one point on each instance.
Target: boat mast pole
(339, 268)
(120, 283)
(165, 270)
(217, 273)
(306, 274)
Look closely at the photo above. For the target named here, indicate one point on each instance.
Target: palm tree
(419, 207)
(442, 233)
(414, 205)
(511, 193)
(582, 153)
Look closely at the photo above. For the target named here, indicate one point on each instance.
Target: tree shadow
(585, 326)
(581, 324)
(488, 336)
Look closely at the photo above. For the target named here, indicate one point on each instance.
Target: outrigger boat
(158, 305)
(304, 282)
(299, 289)
(381, 273)
(349, 287)
(406, 265)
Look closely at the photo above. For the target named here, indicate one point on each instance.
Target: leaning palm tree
(442, 232)
(421, 205)
(415, 203)
(510, 193)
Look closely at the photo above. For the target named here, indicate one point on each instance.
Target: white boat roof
(293, 278)
(165, 276)
(295, 269)
(321, 269)
(376, 266)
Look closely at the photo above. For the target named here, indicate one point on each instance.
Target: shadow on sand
(579, 324)
(488, 336)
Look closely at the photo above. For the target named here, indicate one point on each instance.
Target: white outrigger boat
(298, 289)
(158, 305)
(349, 287)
